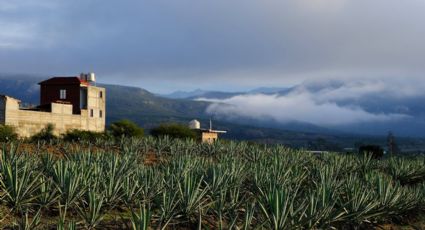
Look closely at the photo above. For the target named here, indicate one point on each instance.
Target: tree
(46, 134)
(376, 151)
(174, 131)
(392, 144)
(82, 135)
(126, 128)
(7, 133)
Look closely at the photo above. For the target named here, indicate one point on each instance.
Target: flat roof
(213, 131)
(63, 81)
(6, 96)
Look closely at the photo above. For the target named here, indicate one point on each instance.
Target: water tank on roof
(91, 77)
(83, 76)
(194, 124)
(88, 77)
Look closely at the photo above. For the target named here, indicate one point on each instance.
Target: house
(206, 135)
(66, 102)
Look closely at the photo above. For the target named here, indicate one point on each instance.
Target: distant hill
(145, 108)
(149, 110)
(359, 97)
(199, 93)
(24, 88)
(184, 94)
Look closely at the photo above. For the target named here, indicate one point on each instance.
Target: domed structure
(194, 124)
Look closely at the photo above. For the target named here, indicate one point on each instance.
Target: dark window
(91, 113)
(100, 113)
(83, 98)
(101, 94)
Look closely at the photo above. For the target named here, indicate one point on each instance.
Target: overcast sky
(167, 45)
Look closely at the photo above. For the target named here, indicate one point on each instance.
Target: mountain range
(149, 109)
(331, 107)
(199, 93)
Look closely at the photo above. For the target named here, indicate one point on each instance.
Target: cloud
(214, 44)
(337, 90)
(307, 103)
(15, 36)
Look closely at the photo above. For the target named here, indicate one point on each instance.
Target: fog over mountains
(364, 106)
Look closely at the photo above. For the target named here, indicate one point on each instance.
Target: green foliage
(77, 135)
(19, 182)
(374, 150)
(91, 210)
(125, 128)
(140, 220)
(174, 131)
(7, 133)
(25, 223)
(46, 134)
(191, 185)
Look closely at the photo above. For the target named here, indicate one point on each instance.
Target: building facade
(66, 102)
(206, 135)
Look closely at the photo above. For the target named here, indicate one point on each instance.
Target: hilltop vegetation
(171, 184)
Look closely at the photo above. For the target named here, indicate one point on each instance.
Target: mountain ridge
(148, 110)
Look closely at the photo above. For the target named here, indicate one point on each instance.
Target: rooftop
(63, 81)
(213, 131)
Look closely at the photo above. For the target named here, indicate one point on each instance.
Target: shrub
(46, 134)
(126, 128)
(375, 150)
(174, 131)
(7, 133)
(82, 135)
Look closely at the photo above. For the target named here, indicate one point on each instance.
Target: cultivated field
(152, 183)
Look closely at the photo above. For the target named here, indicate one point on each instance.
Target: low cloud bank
(314, 103)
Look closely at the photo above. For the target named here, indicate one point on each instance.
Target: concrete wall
(62, 108)
(209, 137)
(96, 106)
(28, 123)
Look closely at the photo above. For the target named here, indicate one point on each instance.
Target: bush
(46, 134)
(174, 131)
(125, 128)
(7, 133)
(376, 151)
(82, 135)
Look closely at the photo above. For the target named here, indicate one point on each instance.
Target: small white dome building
(194, 124)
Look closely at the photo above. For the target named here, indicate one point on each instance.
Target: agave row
(232, 185)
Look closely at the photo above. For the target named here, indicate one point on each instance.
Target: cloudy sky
(164, 45)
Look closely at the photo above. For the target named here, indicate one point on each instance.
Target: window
(101, 94)
(100, 113)
(91, 113)
(62, 94)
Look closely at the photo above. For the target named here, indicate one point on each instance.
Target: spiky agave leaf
(280, 207)
(192, 194)
(141, 220)
(91, 210)
(19, 183)
(27, 223)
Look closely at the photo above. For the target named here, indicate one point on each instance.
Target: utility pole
(392, 145)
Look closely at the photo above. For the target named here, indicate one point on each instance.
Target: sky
(228, 45)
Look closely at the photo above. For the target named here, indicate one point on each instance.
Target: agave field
(152, 183)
